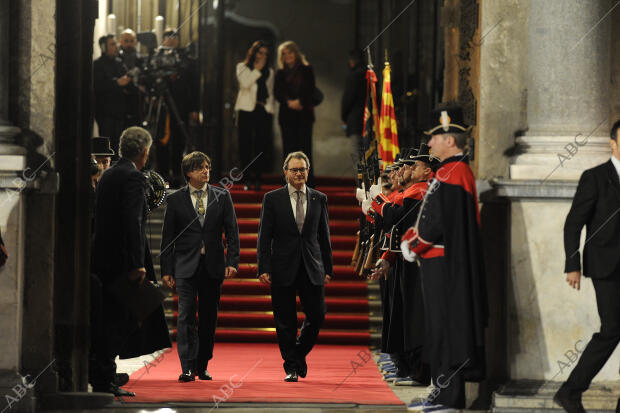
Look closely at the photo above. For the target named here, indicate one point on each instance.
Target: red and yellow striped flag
(388, 142)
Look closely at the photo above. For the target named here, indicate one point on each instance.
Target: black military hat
(100, 145)
(408, 156)
(424, 155)
(447, 120)
(398, 160)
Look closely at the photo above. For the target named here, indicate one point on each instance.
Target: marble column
(567, 90)
(12, 219)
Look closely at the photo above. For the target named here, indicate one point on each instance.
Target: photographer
(111, 83)
(184, 90)
(133, 62)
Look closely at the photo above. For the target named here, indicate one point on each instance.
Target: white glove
(366, 204)
(360, 194)
(374, 191)
(406, 251)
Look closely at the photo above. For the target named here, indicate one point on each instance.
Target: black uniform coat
(595, 205)
(450, 216)
(120, 245)
(281, 248)
(406, 326)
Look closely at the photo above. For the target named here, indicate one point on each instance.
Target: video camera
(162, 64)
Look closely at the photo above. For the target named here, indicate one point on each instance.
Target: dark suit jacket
(353, 101)
(597, 206)
(182, 235)
(119, 242)
(296, 83)
(110, 98)
(280, 245)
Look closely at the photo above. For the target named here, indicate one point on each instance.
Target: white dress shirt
(616, 163)
(292, 192)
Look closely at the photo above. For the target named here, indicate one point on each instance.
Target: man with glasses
(192, 259)
(295, 257)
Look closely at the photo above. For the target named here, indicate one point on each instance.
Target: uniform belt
(434, 251)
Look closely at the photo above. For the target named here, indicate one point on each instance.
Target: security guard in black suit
(596, 205)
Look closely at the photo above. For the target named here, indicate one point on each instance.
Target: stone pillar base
(537, 397)
(75, 401)
(558, 157)
(16, 396)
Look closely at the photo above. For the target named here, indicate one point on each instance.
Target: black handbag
(317, 96)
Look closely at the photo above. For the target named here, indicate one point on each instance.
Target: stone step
(537, 397)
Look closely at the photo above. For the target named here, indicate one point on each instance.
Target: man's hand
(573, 279)
(380, 270)
(137, 274)
(265, 278)
(230, 272)
(168, 281)
(295, 104)
(123, 80)
(193, 117)
(327, 278)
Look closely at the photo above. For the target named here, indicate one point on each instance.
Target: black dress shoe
(121, 379)
(303, 370)
(187, 376)
(570, 405)
(115, 390)
(204, 375)
(291, 376)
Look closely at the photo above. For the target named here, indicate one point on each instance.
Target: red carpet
(253, 373)
(245, 313)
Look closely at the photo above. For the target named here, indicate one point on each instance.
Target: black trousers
(195, 339)
(297, 136)
(448, 379)
(603, 343)
(112, 325)
(283, 299)
(255, 130)
(170, 154)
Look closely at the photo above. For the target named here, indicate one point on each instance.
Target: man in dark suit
(193, 259)
(354, 99)
(295, 255)
(596, 205)
(120, 249)
(111, 84)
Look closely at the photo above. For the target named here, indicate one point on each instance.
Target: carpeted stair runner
(245, 309)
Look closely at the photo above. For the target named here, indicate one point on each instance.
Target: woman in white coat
(255, 107)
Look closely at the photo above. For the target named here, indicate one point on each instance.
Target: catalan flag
(388, 141)
(371, 113)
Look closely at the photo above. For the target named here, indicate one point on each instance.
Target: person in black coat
(293, 88)
(120, 249)
(295, 255)
(184, 87)
(193, 259)
(595, 206)
(111, 85)
(354, 99)
(446, 239)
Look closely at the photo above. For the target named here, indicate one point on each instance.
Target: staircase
(245, 315)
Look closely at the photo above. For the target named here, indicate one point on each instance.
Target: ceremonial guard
(406, 331)
(446, 239)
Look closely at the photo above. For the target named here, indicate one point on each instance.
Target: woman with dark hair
(255, 106)
(294, 88)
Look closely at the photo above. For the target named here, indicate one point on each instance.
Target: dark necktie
(200, 209)
(299, 208)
